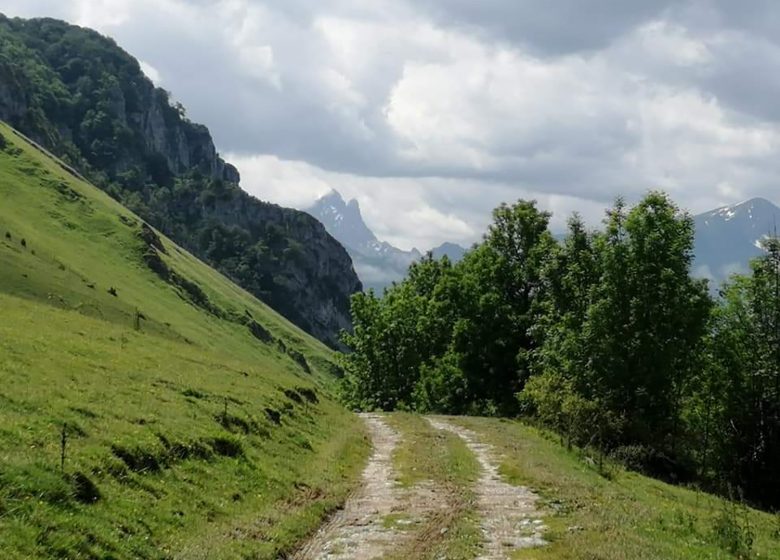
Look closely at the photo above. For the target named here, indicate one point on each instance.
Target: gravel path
(510, 519)
(362, 529)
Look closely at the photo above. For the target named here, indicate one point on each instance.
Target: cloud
(551, 28)
(151, 72)
(431, 112)
(408, 212)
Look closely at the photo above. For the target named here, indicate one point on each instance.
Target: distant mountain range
(726, 239)
(377, 263)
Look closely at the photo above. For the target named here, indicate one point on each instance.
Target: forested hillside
(85, 99)
(603, 336)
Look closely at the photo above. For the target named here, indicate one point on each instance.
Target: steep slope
(728, 237)
(85, 99)
(149, 407)
(377, 263)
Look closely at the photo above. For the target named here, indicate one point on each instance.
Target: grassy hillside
(198, 423)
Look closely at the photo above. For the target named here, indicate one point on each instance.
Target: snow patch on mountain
(727, 238)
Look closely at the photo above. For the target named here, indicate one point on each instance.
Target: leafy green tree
(454, 338)
(501, 280)
(740, 416)
(555, 393)
(620, 330)
(647, 319)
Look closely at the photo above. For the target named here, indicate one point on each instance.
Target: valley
(188, 372)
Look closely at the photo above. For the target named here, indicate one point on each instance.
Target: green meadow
(149, 407)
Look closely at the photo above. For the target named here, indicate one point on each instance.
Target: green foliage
(453, 338)
(737, 404)
(622, 328)
(732, 531)
(604, 337)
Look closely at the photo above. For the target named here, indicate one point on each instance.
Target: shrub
(194, 393)
(308, 394)
(299, 359)
(259, 332)
(731, 530)
(235, 423)
(226, 446)
(137, 459)
(293, 396)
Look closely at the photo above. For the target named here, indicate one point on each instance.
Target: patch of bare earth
(510, 519)
(381, 515)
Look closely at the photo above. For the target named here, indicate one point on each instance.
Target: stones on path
(381, 515)
(357, 530)
(509, 516)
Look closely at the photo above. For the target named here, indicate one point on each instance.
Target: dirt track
(509, 516)
(381, 516)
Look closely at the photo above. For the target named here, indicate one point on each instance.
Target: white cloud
(151, 72)
(101, 14)
(398, 210)
(430, 113)
(407, 212)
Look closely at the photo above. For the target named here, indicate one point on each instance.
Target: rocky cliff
(85, 99)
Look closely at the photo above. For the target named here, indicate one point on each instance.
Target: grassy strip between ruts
(625, 515)
(426, 455)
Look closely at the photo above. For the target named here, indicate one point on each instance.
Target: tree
(501, 280)
(556, 392)
(619, 330)
(741, 389)
(647, 319)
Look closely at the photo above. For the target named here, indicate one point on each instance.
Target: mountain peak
(378, 263)
(342, 219)
(452, 251)
(331, 197)
(729, 236)
(750, 209)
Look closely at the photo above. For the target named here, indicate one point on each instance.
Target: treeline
(603, 336)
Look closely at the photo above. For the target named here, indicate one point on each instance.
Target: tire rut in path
(360, 530)
(509, 516)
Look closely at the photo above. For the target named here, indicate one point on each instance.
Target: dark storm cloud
(546, 27)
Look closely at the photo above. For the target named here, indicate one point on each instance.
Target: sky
(433, 112)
